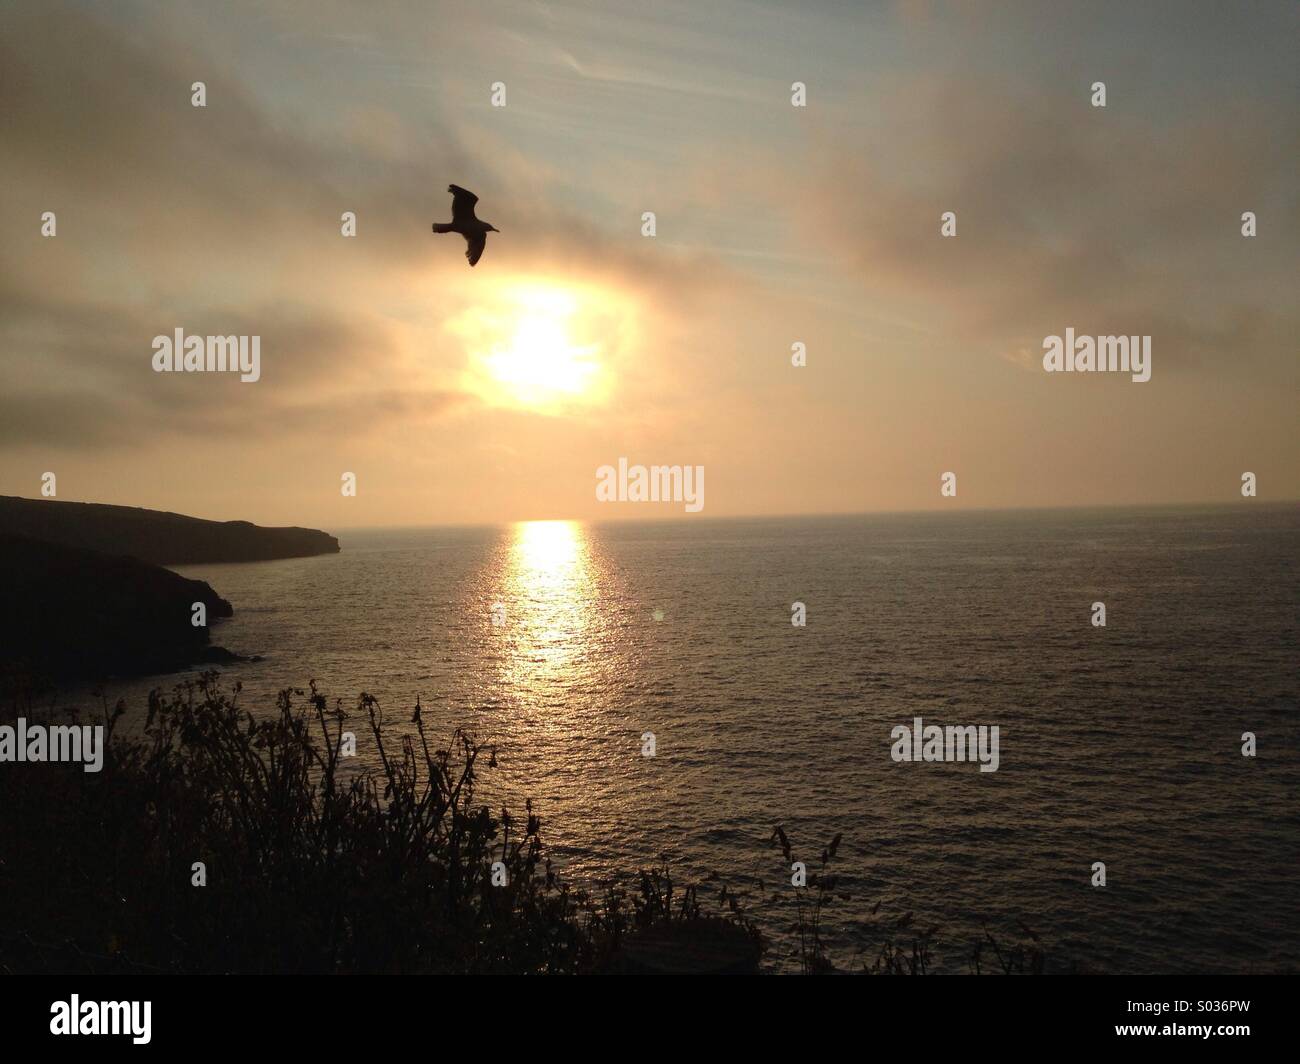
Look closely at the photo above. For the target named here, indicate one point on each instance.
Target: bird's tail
(441, 227)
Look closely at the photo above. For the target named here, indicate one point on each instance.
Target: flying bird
(465, 223)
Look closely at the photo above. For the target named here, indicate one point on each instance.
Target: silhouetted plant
(812, 950)
(896, 959)
(314, 862)
(1017, 959)
(311, 865)
(657, 928)
(320, 863)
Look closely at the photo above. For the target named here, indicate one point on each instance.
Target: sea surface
(1120, 744)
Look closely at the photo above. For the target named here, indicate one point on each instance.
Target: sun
(542, 361)
(541, 345)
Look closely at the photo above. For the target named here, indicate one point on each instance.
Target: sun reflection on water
(549, 592)
(569, 710)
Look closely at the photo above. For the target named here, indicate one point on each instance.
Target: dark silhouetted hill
(74, 612)
(155, 535)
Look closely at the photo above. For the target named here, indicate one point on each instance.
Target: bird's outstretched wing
(476, 244)
(462, 203)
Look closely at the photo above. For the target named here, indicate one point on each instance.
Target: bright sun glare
(541, 357)
(540, 345)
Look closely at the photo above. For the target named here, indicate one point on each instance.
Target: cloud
(776, 224)
(224, 220)
(1070, 216)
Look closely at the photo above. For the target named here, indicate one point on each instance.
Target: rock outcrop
(155, 535)
(70, 612)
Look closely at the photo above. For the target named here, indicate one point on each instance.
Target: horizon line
(696, 518)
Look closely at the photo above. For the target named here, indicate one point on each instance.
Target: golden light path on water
(570, 664)
(550, 582)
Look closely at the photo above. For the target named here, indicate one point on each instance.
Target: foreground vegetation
(315, 861)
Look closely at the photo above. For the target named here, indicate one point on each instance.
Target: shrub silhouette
(314, 862)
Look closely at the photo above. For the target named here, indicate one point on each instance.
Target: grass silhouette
(314, 862)
(320, 862)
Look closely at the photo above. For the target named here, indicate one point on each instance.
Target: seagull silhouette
(465, 223)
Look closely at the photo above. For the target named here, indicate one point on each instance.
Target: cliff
(73, 612)
(154, 535)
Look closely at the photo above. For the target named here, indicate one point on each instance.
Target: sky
(459, 395)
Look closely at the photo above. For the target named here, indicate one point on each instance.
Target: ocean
(1119, 744)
